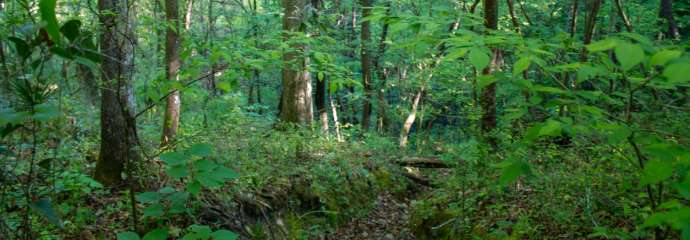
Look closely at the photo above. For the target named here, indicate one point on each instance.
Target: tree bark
(623, 15)
(407, 125)
(171, 119)
(366, 63)
(666, 12)
(487, 97)
(296, 101)
(573, 17)
(513, 17)
(321, 104)
(118, 130)
(383, 120)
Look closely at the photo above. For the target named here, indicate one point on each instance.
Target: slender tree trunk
(513, 17)
(296, 97)
(524, 12)
(623, 15)
(666, 12)
(487, 97)
(381, 74)
(188, 15)
(4, 70)
(172, 65)
(407, 125)
(573, 17)
(366, 64)
(211, 83)
(336, 122)
(118, 132)
(321, 104)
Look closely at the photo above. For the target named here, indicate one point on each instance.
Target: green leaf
(678, 72)
(45, 208)
(148, 197)
(47, 9)
(127, 236)
(619, 134)
(157, 234)
(87, 62)
(173, 158)
(521, 65)
(22, 47)
(629, 55)
(70, 29)
(178, 171)
(224, 235)
(198, 232)
(194, 188)
(154, 210)
(540, 88)
(656, 171)
(485, 80)
(512, 171)
(551, 128)
(602, 45)
(479, 59)
(224, 173)
(45, 112)
(664, 56)
(200, 149)
(204, 165)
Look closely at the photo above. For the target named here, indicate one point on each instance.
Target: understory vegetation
(344, 119)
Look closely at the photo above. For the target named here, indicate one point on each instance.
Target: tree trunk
(118, 130)
(296, 102)
(573, 17)
(487, 97)
(666, 12)
(321, 104)
(513, 17)
(407, 125)
(366, 64)
(381, 75)
(172, 65)
(188, 15)
(4, 70)
(623, 15)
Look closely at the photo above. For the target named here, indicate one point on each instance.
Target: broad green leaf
(148, 197)
(629, 55)
(485, 80)
(678, 72)
(540, 88)
(47, 9)
(224, 235)
(198, 232)
(663, 57)
(512, 171)
(224, 173)
(656, 171)
(45, 112)
(602, 45)
(521, 65)
(173, 158)
(619, 135)
(86, 62)
(154, 210)
(22, 47)
(479, 59)
(178, 171)
(200, 149)
(157, 234)
(127, 236)
(194, 188)
(70, 29)
(551, 128)
(204, 165)
(45, 208)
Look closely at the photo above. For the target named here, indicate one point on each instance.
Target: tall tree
(487, 98)
(118, 129)
(171, 119)
(296, 99)
(366, 63)
(666, 12)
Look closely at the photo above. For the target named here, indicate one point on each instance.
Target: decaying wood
(423, 162)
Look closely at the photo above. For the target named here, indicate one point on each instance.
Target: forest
(344, 119)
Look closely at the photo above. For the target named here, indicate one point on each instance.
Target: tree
(666, 12)
(171, 119)
(366, 63)
(118, 129)
(296, 100)
(487, 98)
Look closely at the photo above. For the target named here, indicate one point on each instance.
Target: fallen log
(423, 162)
(418, 179)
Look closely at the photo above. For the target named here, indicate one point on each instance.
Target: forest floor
(387, 221)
